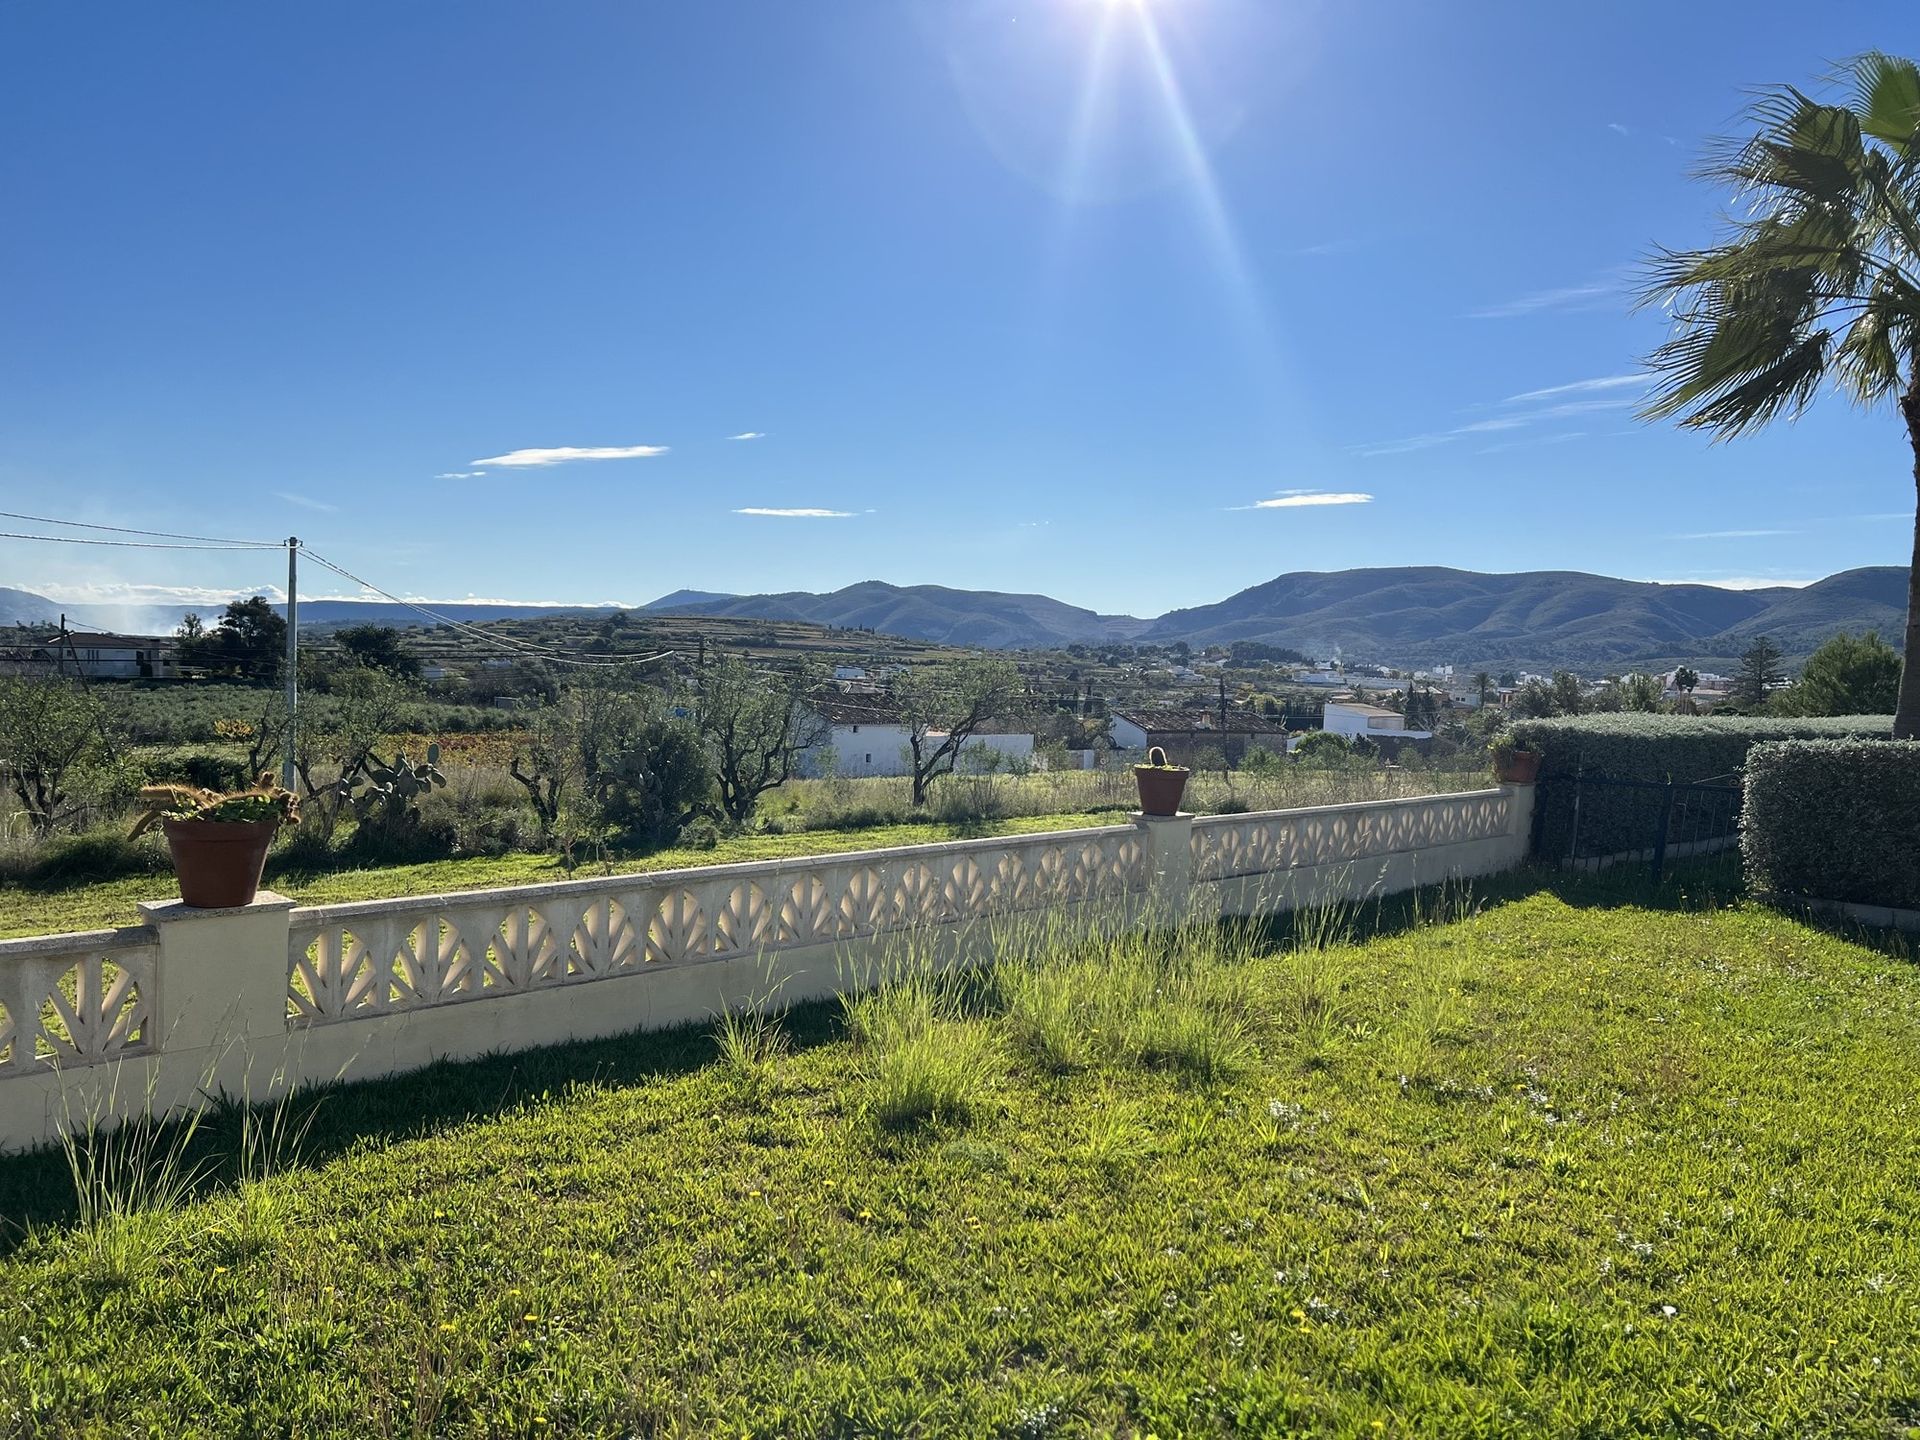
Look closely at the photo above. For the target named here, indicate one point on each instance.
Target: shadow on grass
(36, 1189)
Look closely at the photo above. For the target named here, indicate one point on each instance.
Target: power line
(512, 642)
(126, 530)
(138, 544)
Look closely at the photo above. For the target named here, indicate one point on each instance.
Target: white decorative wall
(196, 1002)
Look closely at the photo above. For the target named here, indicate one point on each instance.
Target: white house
(866, 736)
(849, 672)
(98, 656)
(1354, 720)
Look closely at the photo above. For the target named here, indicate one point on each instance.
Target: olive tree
(943, 708)
(755, 726)
(52, 732)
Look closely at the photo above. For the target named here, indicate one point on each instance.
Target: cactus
(388, 790)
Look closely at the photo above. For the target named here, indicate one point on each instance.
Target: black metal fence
(1599, 821)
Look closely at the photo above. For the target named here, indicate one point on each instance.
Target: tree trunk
(1906, 717)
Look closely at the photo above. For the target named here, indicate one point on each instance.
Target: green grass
(29, 911)
(1571, 1166)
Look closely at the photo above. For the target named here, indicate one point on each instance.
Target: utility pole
(293, 660)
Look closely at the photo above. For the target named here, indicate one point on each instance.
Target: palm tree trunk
(1906, 717)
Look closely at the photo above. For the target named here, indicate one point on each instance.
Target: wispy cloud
(117, 592)
(562, 454)
(1562, 438)
(1635, 381)
(460, 475)
(1618, 128)
(1589, 296)
(305, 502)
(1523, 411)
(1298, 499)
(749, 435)
(1732, 534)
(800, 512)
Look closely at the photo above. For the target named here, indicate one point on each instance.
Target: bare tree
(755, 725)
(944, 706)
(51, 730)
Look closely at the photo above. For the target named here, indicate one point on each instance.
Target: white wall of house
(1125, 734)
(858, 751)
(118, 662)
(1353, 721)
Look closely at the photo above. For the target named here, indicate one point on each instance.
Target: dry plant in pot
(218, 840)
(1515, 762)
(1161, 785)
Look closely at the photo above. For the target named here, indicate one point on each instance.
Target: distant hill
(1420, 615)
(988, 619)
(1414, 615)
(680, 599)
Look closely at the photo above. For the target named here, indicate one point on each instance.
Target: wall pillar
(1168, 841)
(222, 982)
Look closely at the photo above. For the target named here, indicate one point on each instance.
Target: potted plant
(218, 840)
(1515, 761)
(1161, 785)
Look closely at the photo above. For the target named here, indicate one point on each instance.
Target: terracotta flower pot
(218, 863)
(1160, 788)
(1517, 767)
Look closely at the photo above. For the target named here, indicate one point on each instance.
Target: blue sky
(1034, 294)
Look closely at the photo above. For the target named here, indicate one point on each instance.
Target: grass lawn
(1569, 1166)
(29, 910)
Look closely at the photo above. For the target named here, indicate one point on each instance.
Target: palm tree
(1818, 285)
(1483, 682)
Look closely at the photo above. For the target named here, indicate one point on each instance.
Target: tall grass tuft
(924, 1058)
(752, 1045)
(129, 1181)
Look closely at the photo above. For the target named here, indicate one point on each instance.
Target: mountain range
(1412, 615)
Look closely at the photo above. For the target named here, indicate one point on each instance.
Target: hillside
(1422, 615)
(1412, 615)
(987, 619)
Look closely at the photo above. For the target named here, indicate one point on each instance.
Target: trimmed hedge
(1634, 746)
(1834, 820)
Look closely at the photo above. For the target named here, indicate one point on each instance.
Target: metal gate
(1610, 820)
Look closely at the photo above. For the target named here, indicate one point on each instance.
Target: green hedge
(1834, 820)
(1633, 746)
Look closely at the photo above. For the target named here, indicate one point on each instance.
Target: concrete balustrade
(192, 1002)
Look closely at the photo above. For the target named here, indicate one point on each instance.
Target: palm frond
(1886, 96)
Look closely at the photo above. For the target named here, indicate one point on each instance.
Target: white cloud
(1738, 582)
(1580, 387)
(561, 454)
(305, 502)
(1296, 499)
(1566, 297)
(1530, 413)
(1618, 128)
(1732, 534)
(796, 512)
(121, 592)
(460, 475)
(749, 435)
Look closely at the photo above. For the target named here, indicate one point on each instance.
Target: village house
(1229, 731)
(865, 734)
(95, 656)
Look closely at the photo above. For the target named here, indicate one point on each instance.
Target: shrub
(1629, 746)
(1834, 820)
(204, 769)
(699, 833)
